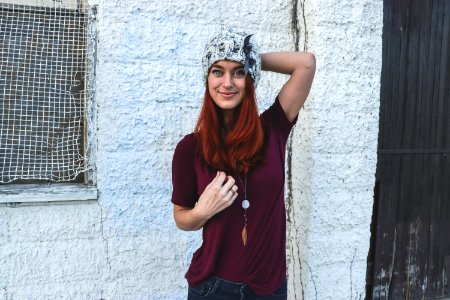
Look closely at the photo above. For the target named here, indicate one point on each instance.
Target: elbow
(185, 219)
(310, 61)
(179, 225)
(305, 65)
(184, 227)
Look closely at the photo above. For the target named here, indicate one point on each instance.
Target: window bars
(43, 89)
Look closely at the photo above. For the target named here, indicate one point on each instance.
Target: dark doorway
(410, 247)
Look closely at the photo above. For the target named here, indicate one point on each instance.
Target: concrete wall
(334, 151)
(148, 95)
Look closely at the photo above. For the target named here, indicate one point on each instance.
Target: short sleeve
(183, 173)
(275, 118)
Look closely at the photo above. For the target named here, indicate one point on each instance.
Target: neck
(229, 117)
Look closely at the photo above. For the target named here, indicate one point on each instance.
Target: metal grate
(43, 48)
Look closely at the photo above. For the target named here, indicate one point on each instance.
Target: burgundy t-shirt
(262, 262)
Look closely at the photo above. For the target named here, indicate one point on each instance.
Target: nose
(227, 80)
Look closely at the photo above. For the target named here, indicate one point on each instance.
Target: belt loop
(242, 291)
(216, 283)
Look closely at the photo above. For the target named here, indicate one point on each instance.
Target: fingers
(225, 187)
(234, 194)
(229, 190)
(228, 187)
(224, 181)
(229, 184)
(217, 182)
(230, 196)
(220, 178)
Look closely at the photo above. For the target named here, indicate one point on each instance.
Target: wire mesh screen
(43, 48)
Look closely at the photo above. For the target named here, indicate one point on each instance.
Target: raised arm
(301, 67)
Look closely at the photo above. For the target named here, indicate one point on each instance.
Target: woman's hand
(219, 194)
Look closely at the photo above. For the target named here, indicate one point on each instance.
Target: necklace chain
(244, 184)
(245, 205)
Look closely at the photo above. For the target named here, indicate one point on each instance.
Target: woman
(228, 176)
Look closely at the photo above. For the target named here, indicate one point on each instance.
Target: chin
(228, 106)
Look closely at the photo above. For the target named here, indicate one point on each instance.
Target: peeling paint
(413, 269)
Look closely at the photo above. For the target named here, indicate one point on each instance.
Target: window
(46, 67)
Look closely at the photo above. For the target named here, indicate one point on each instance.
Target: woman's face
(226, 84)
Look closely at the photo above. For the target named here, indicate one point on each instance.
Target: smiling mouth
(227, 94)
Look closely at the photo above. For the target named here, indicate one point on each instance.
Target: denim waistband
(233, 290)
(230, 285)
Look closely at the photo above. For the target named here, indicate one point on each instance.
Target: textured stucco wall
(334, 151)
(148, 95)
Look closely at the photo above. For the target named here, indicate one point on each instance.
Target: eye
(216, 72)
(239, 73)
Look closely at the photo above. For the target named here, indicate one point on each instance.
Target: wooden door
(410, 246)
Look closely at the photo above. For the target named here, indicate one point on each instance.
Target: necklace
(245, 206)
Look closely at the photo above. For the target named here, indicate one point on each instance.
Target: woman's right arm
(217, 196)
(187, 218)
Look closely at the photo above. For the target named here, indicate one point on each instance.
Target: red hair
(241, 147)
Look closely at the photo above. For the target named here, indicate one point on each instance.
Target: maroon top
(262, 262)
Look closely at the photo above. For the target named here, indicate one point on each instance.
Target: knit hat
(228, 44)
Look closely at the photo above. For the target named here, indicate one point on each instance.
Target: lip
(227, 94)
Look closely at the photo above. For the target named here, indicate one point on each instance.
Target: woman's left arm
(301, 67)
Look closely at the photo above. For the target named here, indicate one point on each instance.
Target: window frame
(16, 194)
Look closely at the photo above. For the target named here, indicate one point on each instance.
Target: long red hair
(239, 148)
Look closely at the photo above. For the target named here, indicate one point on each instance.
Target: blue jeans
(215, 288)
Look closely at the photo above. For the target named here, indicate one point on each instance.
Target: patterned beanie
(228, 44)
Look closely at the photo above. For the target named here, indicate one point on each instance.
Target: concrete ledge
(55, 192)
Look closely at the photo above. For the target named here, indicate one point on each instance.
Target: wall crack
(296, 31)
(295, 24)
(312, 279)
(105, 240)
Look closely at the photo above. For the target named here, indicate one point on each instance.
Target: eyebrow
(220, 67)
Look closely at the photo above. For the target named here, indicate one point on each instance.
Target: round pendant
(245, 204)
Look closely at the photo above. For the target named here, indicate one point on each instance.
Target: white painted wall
(149, 90)
(334, 151)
